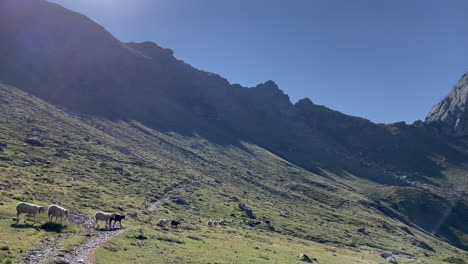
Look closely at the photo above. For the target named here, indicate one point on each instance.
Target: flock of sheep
(31, 210)
(214, 223)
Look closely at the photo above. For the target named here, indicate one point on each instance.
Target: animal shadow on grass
(24, 226)
(47, 227)
(103, 229)
(52, 227)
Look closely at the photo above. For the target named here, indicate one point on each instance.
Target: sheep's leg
(17, 217)
(61, 220)
(35, 218)
(97, 224)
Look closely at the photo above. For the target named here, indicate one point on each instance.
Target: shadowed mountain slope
(67, 60)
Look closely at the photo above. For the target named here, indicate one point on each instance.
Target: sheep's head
(66, 212)
(41, 209)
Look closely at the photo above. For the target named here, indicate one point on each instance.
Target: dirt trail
(49, 249)
(84, 252)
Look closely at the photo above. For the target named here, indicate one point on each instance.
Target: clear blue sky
(385, 60)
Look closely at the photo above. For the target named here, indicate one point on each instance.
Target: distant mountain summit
(451, 114)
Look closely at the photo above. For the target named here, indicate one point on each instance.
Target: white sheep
(29, 210)
(101, 216)
(57, 211)
(163, 222)
(210, 223)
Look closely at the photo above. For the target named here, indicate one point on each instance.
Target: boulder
(248, 212)
(180, 201)
(455, 260)
(362, 231)
(304, 257)
(423, 245)
(389, 257)
(34, 142)
(2, 146)
(5, 159)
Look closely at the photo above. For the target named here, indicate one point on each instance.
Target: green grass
(222, 245)
(231, 245)
(69, 243)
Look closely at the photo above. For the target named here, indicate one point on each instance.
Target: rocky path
(84, 253)
(50, 248)
(45, 251)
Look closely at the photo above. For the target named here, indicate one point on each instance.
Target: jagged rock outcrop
(451, 114)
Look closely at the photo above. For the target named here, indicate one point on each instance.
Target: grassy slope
(90, 164)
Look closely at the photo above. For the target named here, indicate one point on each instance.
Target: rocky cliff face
(451, 114)
(69, 60)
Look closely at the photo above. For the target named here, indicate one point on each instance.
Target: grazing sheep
(210, 223)
(101, 216)
(57, 211)
(117, 218)
(163, 222)
(175, 224)
(29, 210)
(215, 223)
(222, 222)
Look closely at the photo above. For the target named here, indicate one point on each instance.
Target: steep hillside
(68, 60)
(88, 164)
(96, 124)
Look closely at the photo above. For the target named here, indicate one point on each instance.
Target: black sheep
(117, 218)
(175, 224)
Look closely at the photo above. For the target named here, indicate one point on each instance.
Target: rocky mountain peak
(268, 85)
(271, 93)
(304, 102)
(451, 114)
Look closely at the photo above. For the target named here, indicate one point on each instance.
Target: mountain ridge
(69, 61)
